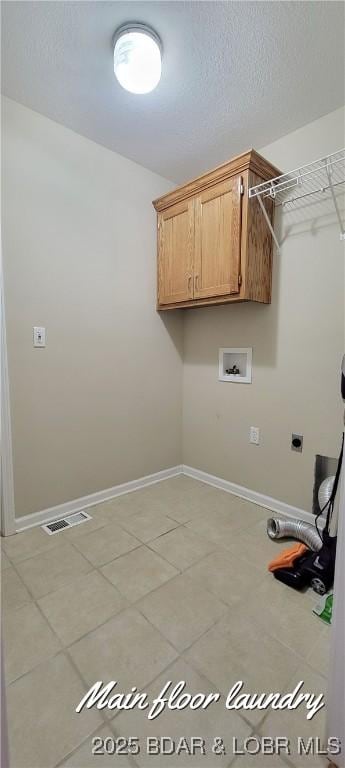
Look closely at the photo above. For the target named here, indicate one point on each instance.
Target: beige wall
(297, 341)
(102, 403)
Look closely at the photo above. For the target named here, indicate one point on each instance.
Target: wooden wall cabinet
(214, 245)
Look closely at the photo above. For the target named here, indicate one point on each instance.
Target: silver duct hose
(295, 529)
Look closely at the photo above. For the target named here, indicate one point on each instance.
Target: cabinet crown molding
(236, 165)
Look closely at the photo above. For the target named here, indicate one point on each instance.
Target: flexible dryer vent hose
(295, 529)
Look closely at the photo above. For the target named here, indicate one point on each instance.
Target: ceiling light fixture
(137, 57)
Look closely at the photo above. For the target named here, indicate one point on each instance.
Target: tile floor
(166, 583)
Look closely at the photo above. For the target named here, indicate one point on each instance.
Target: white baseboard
(61, 510)
(274, 505)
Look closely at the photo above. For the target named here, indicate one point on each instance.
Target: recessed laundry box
(235, 364)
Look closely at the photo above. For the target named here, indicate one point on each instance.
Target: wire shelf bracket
(324, 175)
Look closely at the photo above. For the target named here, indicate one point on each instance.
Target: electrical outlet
(39, 336)
(254, 435)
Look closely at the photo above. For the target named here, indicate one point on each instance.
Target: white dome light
(137, 58)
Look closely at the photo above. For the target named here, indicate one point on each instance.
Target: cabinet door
(218, 239)
(175, 253)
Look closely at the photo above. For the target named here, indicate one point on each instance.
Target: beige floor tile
(182, 501)
(138, 572)
(240, 513)
(286, 614)
(312, 761)
(28, 641)
(83, 757)
(177, 486)
(221, 525)
(205, 503)
(172, 489)
(205, 723)
(127, 649)
(232, 651)
(104, 545)
(203, 490)
(180, 498)
(157, 493)
(277, 591)
(182, 547)
(29, 543)
(148, 525)
(294, 723)
(227, 576)
(261, 760)
(155, 509)
(309, 599)
(255, 545)
(268, 636)
(181, 610)
(319, 655)
(183, 510)
(51, 570)
(13, 592)
(252, 513)
(81, 606)
(121, 507)
(5, 563)
(178, 510)
(181, 507)
(99, 519)
(43, 724)
(312, 597)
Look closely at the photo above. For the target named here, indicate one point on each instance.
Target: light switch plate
(39, 336)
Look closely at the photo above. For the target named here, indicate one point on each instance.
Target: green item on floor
(323, 608)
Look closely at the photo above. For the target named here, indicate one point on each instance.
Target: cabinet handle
(189, 283)
(196, 282)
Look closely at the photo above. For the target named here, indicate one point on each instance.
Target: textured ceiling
(235, 74)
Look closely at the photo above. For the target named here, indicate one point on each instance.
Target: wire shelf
(322, 178)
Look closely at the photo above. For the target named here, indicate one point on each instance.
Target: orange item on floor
(287, 557)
